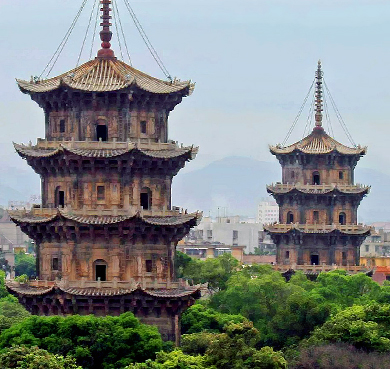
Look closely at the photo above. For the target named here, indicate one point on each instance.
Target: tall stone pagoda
(317, 198)
(106, 232)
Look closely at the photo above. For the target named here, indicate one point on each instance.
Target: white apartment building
(267, 212)
(229, 231)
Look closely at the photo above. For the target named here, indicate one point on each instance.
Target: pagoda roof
(106, 75)
(281, 188)
(30, 290)
(350, 229)
(40, 216)
(318, 142)
(105, 150)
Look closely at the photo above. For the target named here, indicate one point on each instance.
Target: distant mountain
(237, 184)
(17, 184)
(234, 184)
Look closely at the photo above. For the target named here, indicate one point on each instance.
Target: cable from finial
(318, 95)
(105, 33)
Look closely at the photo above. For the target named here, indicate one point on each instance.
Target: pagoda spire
(318, 95)
(105, 33)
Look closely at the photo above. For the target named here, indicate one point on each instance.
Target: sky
(253, 62)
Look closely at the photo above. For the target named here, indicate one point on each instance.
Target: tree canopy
(109, 342)
(22, 357)
(25, 264)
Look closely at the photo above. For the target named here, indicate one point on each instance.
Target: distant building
(229, 231)
(376, 245)
(267, 212)
(206, 250)
(259, 259)
(12, 239)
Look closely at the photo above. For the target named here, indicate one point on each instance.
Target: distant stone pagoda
(106, 232)
(318, 199)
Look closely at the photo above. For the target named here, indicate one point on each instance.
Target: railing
(141, 143)
(130, 211)
(318, 188)
(321, 268)
(317, 227)
(130, 285)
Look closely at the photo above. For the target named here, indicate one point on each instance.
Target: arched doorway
(316, 178)
(59, 197)
(290, 217)
(146, 198)
(342, 218)
(100, 270)
(101, 130)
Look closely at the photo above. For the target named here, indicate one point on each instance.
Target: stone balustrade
(313, 228)
(146, 144)
(286, 187)
(130, 285)
(321, 268)
(130, 211)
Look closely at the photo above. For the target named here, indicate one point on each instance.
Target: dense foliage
(110, 342)
(25, 264)
(338, 321)
(199, 318)
(215, 272)
(34, 358)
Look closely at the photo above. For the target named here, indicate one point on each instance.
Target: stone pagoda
(318, 199)
(106, 231)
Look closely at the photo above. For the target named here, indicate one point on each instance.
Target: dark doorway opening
(101, 132)
(61, 199)
(101, 272)
(314, 260)
(146, 199)
(149, 266)
(290, 217)
(342, 219)
(316, 178)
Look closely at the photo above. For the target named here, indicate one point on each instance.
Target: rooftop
(106, 75)
(94, 149)
(102, 217)
(318, 142)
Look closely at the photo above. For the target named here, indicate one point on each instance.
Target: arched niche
(100, 267)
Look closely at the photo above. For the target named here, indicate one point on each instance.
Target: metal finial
(318, 95)
(105, 33)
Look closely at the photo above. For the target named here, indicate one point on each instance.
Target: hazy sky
(253, 62)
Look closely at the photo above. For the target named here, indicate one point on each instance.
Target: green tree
(283, 312)
(181, 262)
(3, 289)
(172, 360)
(95, 342)
(236, 348)
(25, 264)
(216, 272)
(200, 318)
(363, 326)
(22, 357)
(11, 312)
